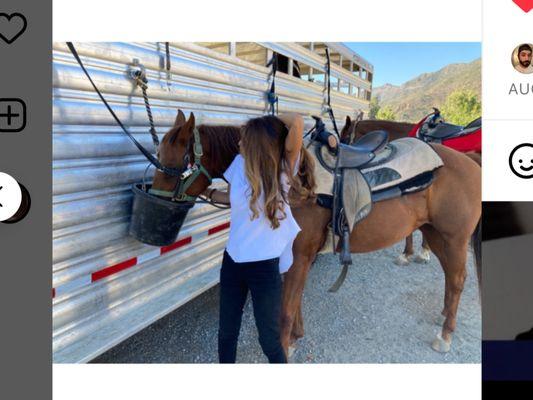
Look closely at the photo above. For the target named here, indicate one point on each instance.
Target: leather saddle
(350, 178)
(358, 154)
(347, 160)
(363, 151)
(437, 132)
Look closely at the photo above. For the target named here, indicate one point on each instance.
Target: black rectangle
(504, 219)
(506, 390)
(507, 360)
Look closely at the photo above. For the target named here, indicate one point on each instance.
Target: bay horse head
(349, 131)
(201, 153)
(181, 149)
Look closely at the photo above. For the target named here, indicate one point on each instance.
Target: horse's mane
(222, 144)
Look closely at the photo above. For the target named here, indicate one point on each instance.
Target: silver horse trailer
(107, 286)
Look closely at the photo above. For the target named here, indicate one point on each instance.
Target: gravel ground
(382, 314)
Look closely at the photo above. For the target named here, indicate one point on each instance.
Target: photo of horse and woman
(448, 213)
(404, 168)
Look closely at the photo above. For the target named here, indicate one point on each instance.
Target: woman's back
(253, 239)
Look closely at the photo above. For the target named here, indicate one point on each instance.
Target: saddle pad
(410, 157)
(323, 178)
(401, 160)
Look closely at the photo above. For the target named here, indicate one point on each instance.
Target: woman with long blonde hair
(262, 229)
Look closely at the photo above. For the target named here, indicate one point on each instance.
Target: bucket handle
(144, 177)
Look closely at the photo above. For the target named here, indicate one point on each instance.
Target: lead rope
(167, 63)
(153, 160)
(139, 76)
(329, 108)
(167, 53)
(272, 98)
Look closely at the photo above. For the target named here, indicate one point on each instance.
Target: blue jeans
(263, 280)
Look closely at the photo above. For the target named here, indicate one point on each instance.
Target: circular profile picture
(521, 58)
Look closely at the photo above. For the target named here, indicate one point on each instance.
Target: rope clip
(137, 73)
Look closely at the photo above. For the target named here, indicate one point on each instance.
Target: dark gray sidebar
(25, 155)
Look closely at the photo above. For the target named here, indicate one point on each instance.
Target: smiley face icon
(521, 160)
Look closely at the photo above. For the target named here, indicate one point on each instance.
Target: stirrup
(345, 259)
(345, 256)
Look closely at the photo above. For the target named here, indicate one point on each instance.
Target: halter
(189, 174)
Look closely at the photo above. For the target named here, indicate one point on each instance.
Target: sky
(398, 62)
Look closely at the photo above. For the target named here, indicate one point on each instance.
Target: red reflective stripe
(95, 276)
(105, 272)
(218, 228)
(174, 246)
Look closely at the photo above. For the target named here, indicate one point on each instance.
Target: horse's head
(350, 131)
(181, 149)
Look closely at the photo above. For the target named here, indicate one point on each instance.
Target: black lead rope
(330, 109)
(272, 97)
(167, 63)
(146, 153)
(167, 51)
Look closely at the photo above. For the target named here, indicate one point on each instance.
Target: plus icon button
(9, 115)
(12, 115)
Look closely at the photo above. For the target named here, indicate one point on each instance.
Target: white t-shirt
(256, 240)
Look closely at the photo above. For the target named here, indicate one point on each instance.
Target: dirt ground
(383, 314)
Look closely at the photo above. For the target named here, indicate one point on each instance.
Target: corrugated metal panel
(108, 286)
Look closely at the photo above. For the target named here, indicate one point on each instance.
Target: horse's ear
(190, 124)
(348, 120)
(180, 119)
(187, 129)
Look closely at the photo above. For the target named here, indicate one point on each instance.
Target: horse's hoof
(402, 260)
(440, 345)
(439, 320)
(291, 350)
(423, 257)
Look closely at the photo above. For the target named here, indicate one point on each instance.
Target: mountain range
(415, 98)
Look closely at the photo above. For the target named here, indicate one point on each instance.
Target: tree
(461, 107)
(374, 108)
(386, 113)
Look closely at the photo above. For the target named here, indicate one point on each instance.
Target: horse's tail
(305, 186)
(476, 245)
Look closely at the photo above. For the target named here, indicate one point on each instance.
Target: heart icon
(12, 26)
(525, 5)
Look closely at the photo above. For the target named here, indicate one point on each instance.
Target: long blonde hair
(263, 150)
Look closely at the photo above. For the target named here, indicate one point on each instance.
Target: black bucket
(154, 220)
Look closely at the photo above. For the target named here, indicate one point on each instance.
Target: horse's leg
(437, 246)
(452, 256)
(297, 329)
(298, 325)
(313, 221)
(424, 255)
(406, 256)
(293, 287)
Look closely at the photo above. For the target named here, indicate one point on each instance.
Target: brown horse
(353, 130)
(448, 212)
